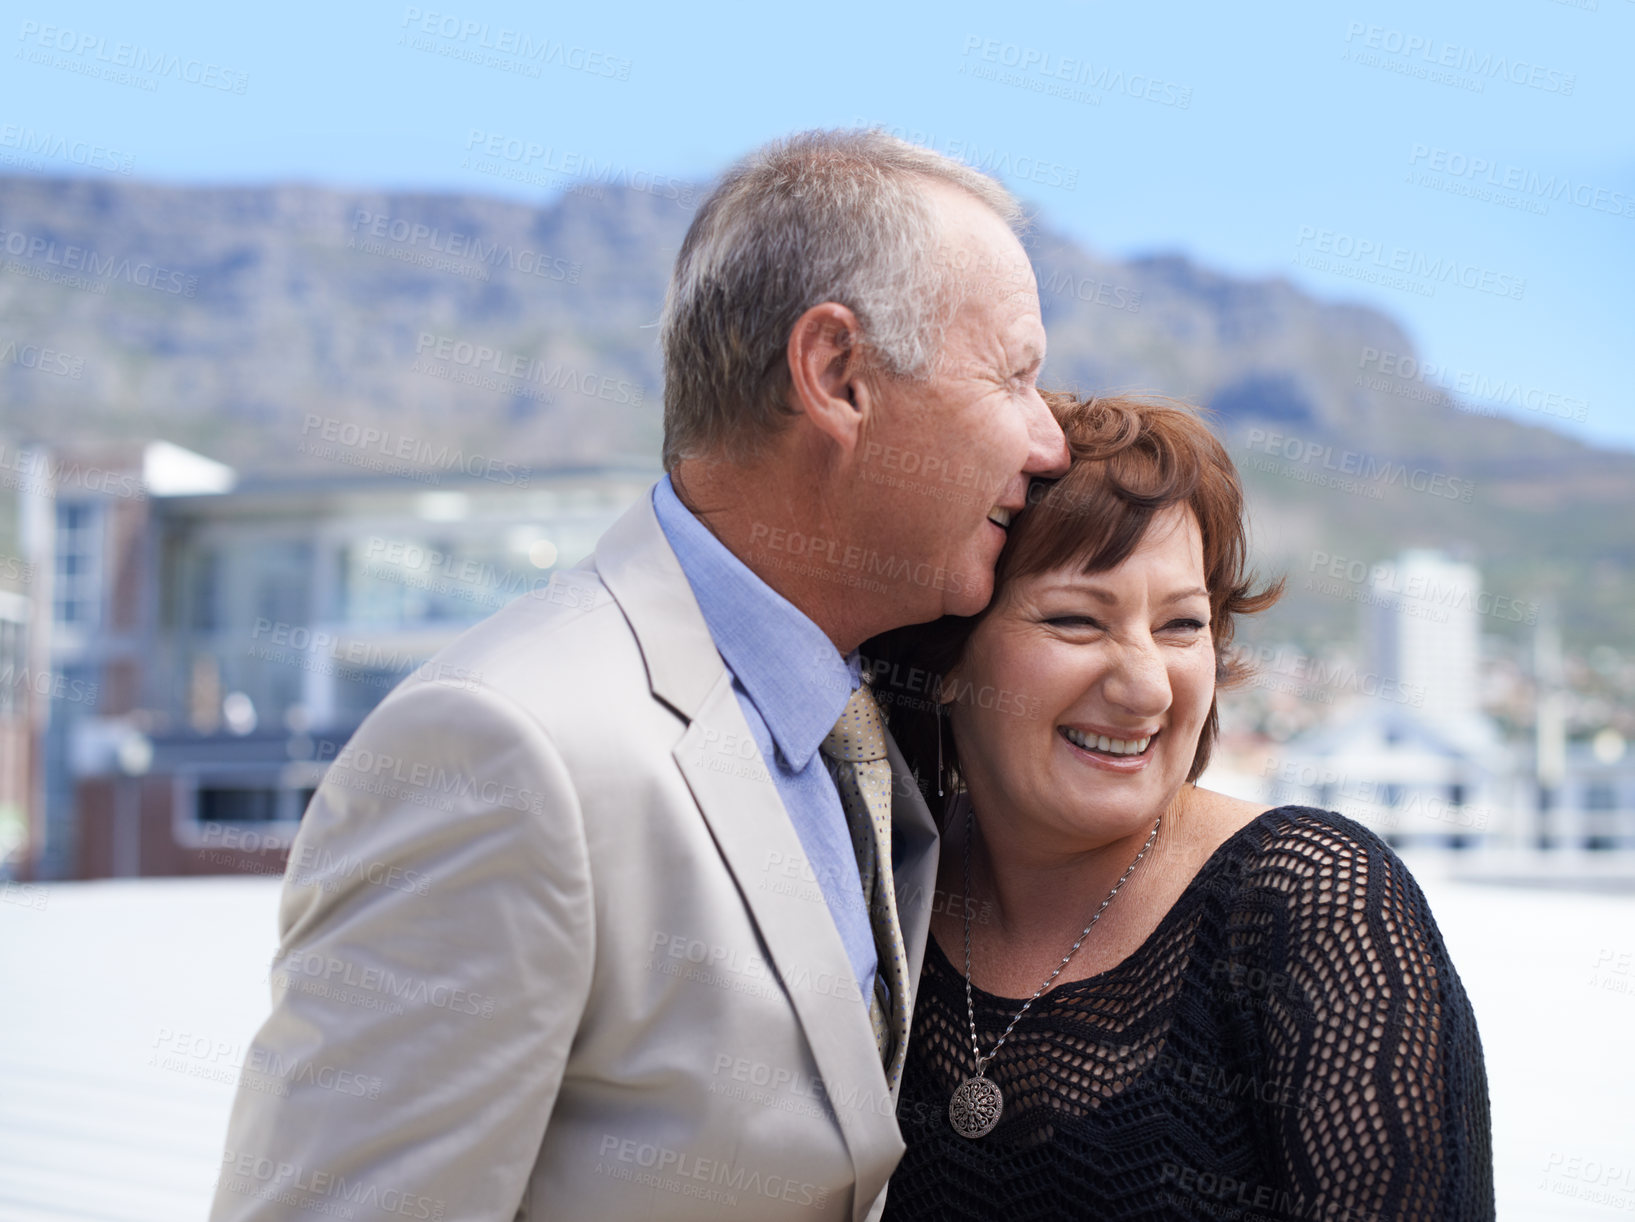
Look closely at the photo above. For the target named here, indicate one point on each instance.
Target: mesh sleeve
(1365, 1032)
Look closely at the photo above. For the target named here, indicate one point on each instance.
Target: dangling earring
(939, 749)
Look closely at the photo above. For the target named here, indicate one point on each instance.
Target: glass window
(235, 805)
(203, 591)
(77, 588)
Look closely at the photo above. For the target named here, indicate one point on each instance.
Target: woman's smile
(1127, 753)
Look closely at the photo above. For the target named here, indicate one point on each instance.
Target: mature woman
(1145, 999)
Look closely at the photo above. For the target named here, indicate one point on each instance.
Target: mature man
(658, 960)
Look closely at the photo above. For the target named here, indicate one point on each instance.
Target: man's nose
(1047, 448)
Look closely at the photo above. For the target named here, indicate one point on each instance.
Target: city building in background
(208, 644)
(1424, 632)
(16, 731)
(1414, 756)
(189, 651)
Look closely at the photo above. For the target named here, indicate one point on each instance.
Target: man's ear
(825, 366)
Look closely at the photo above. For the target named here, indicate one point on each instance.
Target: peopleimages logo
(40, 471)
(531, 161)
(1043, 71)
(433, 239)
(72, 258)
(84, 153)
(320, 1191)
(345, 441)
(86, 47)
(1363, 470)
(45, 360)
(512, 370)
(1087, 287)
(1423, 596)
(823, 552)
(1501, 176)
(1421, 55)
(1389, 263)
(997, 162)
(1397, 373)
(525, 49)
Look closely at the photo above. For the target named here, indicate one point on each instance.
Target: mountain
(249, 322)
(1348, 451)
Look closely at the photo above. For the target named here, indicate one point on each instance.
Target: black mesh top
(1291, 1042)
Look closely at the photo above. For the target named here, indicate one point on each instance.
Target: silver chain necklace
(977, 1104)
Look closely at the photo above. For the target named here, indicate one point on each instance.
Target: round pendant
(975, 1108)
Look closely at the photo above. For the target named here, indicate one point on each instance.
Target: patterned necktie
(856, 750)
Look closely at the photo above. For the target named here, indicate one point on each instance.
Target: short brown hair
(1132, 458)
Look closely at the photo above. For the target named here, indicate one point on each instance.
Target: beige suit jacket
(550, 947)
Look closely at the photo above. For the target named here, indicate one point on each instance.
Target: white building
(1426, 764)
(1403, 776)
(1424, 633)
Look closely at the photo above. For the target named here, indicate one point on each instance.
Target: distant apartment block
(209, 643)
(1429, 766)
(1426, 632)
(17, 708)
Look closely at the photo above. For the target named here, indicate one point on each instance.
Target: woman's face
(1080, 697)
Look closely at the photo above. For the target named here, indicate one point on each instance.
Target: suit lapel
(636, 563)
(914, 849)
(755, 837)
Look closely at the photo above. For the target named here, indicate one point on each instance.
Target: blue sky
(1469, 168)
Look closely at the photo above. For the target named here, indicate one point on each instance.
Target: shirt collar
(792, 672)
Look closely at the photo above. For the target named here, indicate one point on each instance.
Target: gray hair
(821, 216)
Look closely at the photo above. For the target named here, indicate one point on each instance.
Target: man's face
(945, 462)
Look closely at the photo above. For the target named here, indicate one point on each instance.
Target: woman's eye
(1187, 625)
(1072, 621)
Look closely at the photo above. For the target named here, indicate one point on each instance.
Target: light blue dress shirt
(793, 686)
